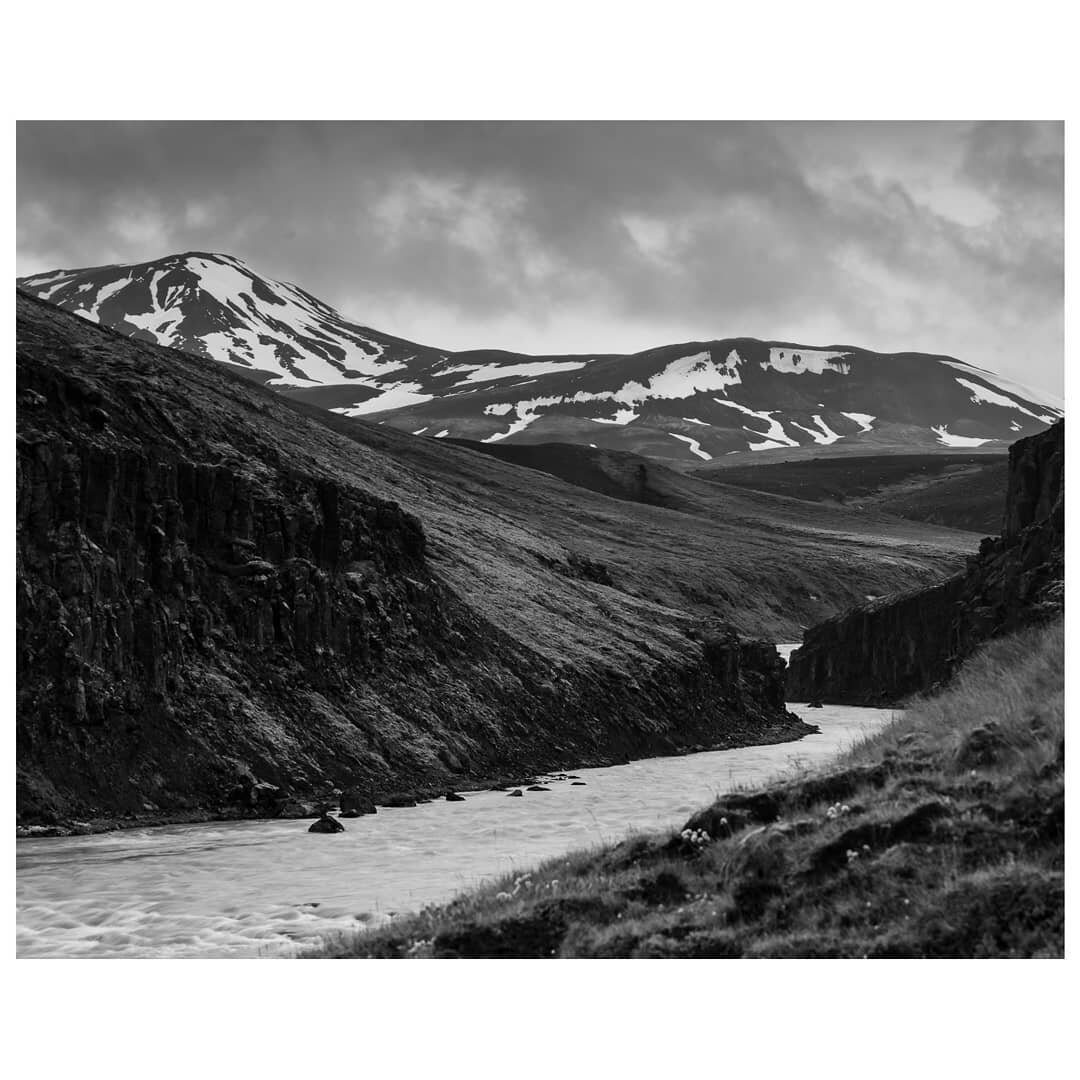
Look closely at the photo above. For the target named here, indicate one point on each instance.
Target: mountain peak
(690, 402)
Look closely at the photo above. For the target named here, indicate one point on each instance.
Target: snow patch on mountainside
(621, 418)
(684, 377)
(864, 420)
(948, 439)
(105, 292)
(1051, 402)
(695, 446)
(803, 361)
(526, 413)
(396, 396)
(490, 372)
(980, 395)
(776, 435)
(824, 435)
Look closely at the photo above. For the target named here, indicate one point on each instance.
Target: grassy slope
(942, 836)
(766, 565)
(960, 491)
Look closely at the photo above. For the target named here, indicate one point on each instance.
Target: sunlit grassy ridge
(943, 835)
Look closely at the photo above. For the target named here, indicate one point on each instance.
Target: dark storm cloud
(577, 236)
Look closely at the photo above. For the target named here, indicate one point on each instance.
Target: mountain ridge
(684, 403)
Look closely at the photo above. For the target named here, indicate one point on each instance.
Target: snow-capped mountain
(690, 402)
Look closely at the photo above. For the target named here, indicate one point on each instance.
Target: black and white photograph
(538, 537)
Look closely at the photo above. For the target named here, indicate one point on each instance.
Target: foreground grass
(941, 836)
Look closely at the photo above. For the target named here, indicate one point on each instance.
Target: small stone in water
(326, 824)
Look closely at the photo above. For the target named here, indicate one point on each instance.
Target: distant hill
(960, 491)
(682, 403)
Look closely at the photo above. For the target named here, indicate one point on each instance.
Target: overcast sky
(582, 237)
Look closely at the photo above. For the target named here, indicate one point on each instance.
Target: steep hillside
(959, 491)
(900, 645)
(689, 402)
(219, 611)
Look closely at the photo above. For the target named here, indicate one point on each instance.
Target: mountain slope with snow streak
(683, 403)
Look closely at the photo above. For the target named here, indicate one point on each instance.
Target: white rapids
(269, 888)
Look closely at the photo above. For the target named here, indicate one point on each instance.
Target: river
(269, 888)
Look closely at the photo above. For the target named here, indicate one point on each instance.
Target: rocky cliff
(217, 617)
(896, 646)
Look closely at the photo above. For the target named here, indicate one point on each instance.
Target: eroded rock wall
(890, 648)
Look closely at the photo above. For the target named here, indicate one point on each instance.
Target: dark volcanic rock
(214, 613)
(300, 808)
(896, 646)
(397, 801)
(326, 824)
(354, 803)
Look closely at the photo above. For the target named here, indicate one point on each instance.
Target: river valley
(270, 889)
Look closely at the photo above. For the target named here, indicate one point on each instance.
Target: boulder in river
(326, 824)
(516, 793)
(398, 800)
(537, 787)
(354, 799)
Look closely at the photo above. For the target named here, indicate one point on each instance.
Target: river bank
(308, 806)
(269, 888)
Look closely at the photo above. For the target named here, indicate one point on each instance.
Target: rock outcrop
(215, 616)
(890, 648)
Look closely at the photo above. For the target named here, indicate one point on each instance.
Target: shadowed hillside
(222, 609)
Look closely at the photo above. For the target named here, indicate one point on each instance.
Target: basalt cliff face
(890, 648)
(217, 617)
